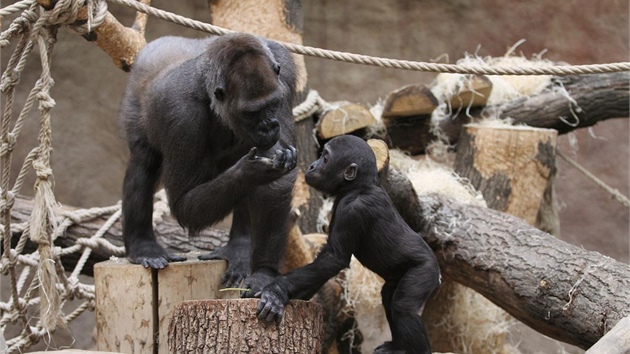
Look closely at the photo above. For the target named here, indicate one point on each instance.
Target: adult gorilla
(213, 118)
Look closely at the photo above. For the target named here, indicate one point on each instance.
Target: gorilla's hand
(273, 299)
(262, 169)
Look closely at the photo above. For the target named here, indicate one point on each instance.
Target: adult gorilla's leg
(270, 209)
(143, 172)
(238, 249)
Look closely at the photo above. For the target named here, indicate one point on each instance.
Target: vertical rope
(43, 216)
(10, 78)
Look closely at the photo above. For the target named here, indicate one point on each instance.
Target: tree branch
(558, 289)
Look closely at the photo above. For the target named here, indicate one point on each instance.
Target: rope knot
(9, 80)
(10, 200)
(73, 287)
(7, 147)
(64, 12)
(43, 171)
(80, 16)
(72, 216)
(45, 101)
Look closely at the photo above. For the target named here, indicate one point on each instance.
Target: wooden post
(231, 326)
(511, 166)
(133, 303)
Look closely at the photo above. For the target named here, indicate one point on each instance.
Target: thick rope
(311, 105)
(50, 287)
(18, 6)
(385, 62)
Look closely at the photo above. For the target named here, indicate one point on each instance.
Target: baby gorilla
(365, 224)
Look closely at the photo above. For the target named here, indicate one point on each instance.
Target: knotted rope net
(39, 286)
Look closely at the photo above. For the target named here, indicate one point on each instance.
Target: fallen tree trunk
(597, 98)
(589, 99)
(558, 289)
(169, 233)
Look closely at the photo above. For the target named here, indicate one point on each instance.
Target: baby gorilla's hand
(273, 299)
(263, 169)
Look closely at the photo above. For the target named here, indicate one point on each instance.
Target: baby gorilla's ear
(351, 172)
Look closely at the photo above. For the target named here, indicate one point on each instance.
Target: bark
(511, 166)
(121, 43)
(596, 97)
(233, 328)
(558, 289)
(344, 118)
(169, 233)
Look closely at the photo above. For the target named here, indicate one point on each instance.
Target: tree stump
(133, 303)
(511, 166)
(231, 326)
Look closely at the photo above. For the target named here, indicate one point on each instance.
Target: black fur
(365, 224)
(213, 118)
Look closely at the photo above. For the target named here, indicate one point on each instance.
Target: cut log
(343, 118)
(558, 289)
(511, 166)
(474, 93)
(597, 97)
(231, 326)
(381, 152)
(407, 112)
(410, 100)
(124, 309)
(134, 304)
(411, 134)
